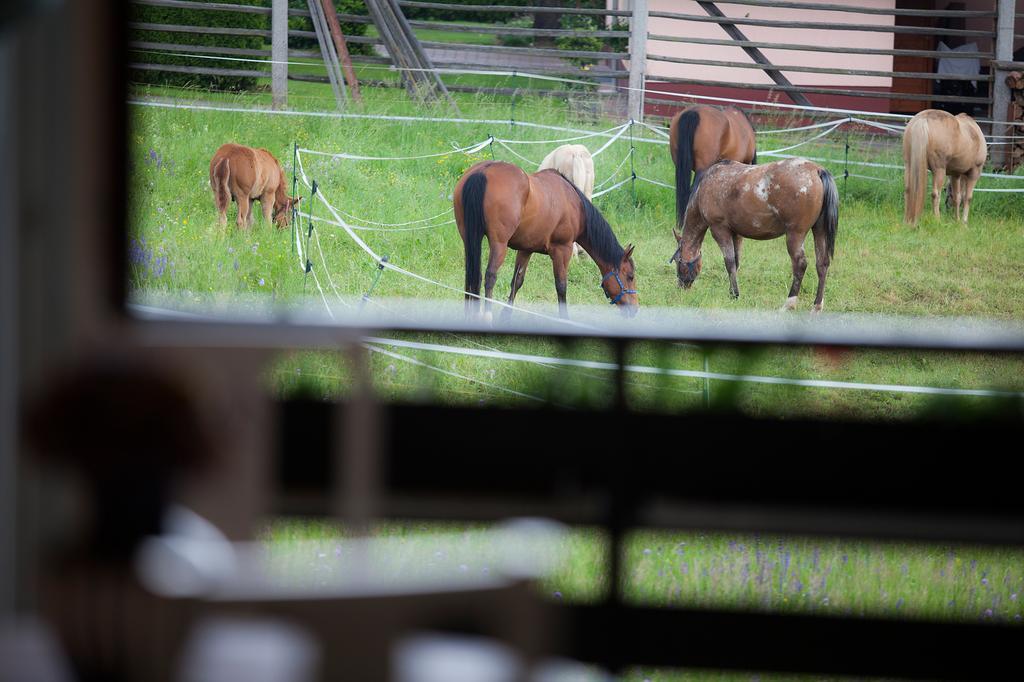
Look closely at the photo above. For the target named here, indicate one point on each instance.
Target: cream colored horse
(574, 162)
(942, 143)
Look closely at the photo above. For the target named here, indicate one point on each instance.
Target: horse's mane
(599, 233)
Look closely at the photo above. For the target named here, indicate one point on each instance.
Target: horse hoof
(790, 303)
(817, 308)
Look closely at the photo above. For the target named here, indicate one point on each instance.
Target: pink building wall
(656, 69)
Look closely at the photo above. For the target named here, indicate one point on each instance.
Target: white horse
(574, 162)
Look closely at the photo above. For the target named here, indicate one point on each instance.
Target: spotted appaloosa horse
(244, 174)
(791, 198)
(541, 212)
(942, 143)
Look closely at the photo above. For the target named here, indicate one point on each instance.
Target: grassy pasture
(178, 254)
(939, 268)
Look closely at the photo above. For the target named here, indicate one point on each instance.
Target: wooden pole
(758, 56)
(637, 59)
(279, 53)
(331, 15)
(327, 51)
(1000, 90)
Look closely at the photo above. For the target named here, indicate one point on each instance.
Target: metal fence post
(1000, 90)
(637, 59)
(279, 53)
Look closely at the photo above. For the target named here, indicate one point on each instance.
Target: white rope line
(414, 361)
(613, 132)
(193, 55)
(617, 135)
(363, 228)
(617, 168)
(802, 143)
(470, 149)
(391, 266)
(826, 124)
(655, 182)
(653, 129)
(513, 152)
(327, 271)
(487, 72)
(371, 117)
(408, 222)
(530, 124)
(871, 164)
(695, 374)
(613, 187)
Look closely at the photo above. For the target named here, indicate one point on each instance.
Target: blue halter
(622, 289)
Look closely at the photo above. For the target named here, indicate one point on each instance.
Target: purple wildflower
(236, 265)
(261, 281)
(987, 613)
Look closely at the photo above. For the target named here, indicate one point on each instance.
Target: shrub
(582, 43)
(192, 17)
(517, 40)
(349, 29)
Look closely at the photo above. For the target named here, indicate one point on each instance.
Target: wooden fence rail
(877, 94)
(823, 25)
(819, 69)
(803, 47)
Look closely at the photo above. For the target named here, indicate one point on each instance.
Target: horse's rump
(574, 162)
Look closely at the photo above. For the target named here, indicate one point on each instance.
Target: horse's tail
(475, 225)
(829, 216)
(219, 176)
(915, 174)
(686, 127)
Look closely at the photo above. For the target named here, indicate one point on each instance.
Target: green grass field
(179, 256)
(939, 268)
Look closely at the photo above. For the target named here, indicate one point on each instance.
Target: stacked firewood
(1015, 112)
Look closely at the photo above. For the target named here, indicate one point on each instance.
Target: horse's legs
(725, 237)
(737, 244)
(244, 209)
(518, 274)
(822, 261)
(267, 204)
(518, 277)
(494, 260)
(795, 245)
(938, 180)
(560, 262)
(972, 180)
(956, 183)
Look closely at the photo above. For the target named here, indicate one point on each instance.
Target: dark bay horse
(791, 198)
(538, 213)
(702, 135)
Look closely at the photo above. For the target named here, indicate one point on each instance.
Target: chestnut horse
(538, 213)
(790, 197)
(942, 143)
(244, 174)
(574, 162)
(702, 135)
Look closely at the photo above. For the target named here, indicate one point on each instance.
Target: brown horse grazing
(243, 174)
(942, 143)
(702, 135)
(735, 200)
(538, 213)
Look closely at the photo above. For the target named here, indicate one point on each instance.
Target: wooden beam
(756, 54)
(637, 59)
(331, 16)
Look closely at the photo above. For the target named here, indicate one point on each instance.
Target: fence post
(637, 59)
(279, 53)
(1000, 90)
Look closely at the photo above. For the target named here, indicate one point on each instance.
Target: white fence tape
(696, 374)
